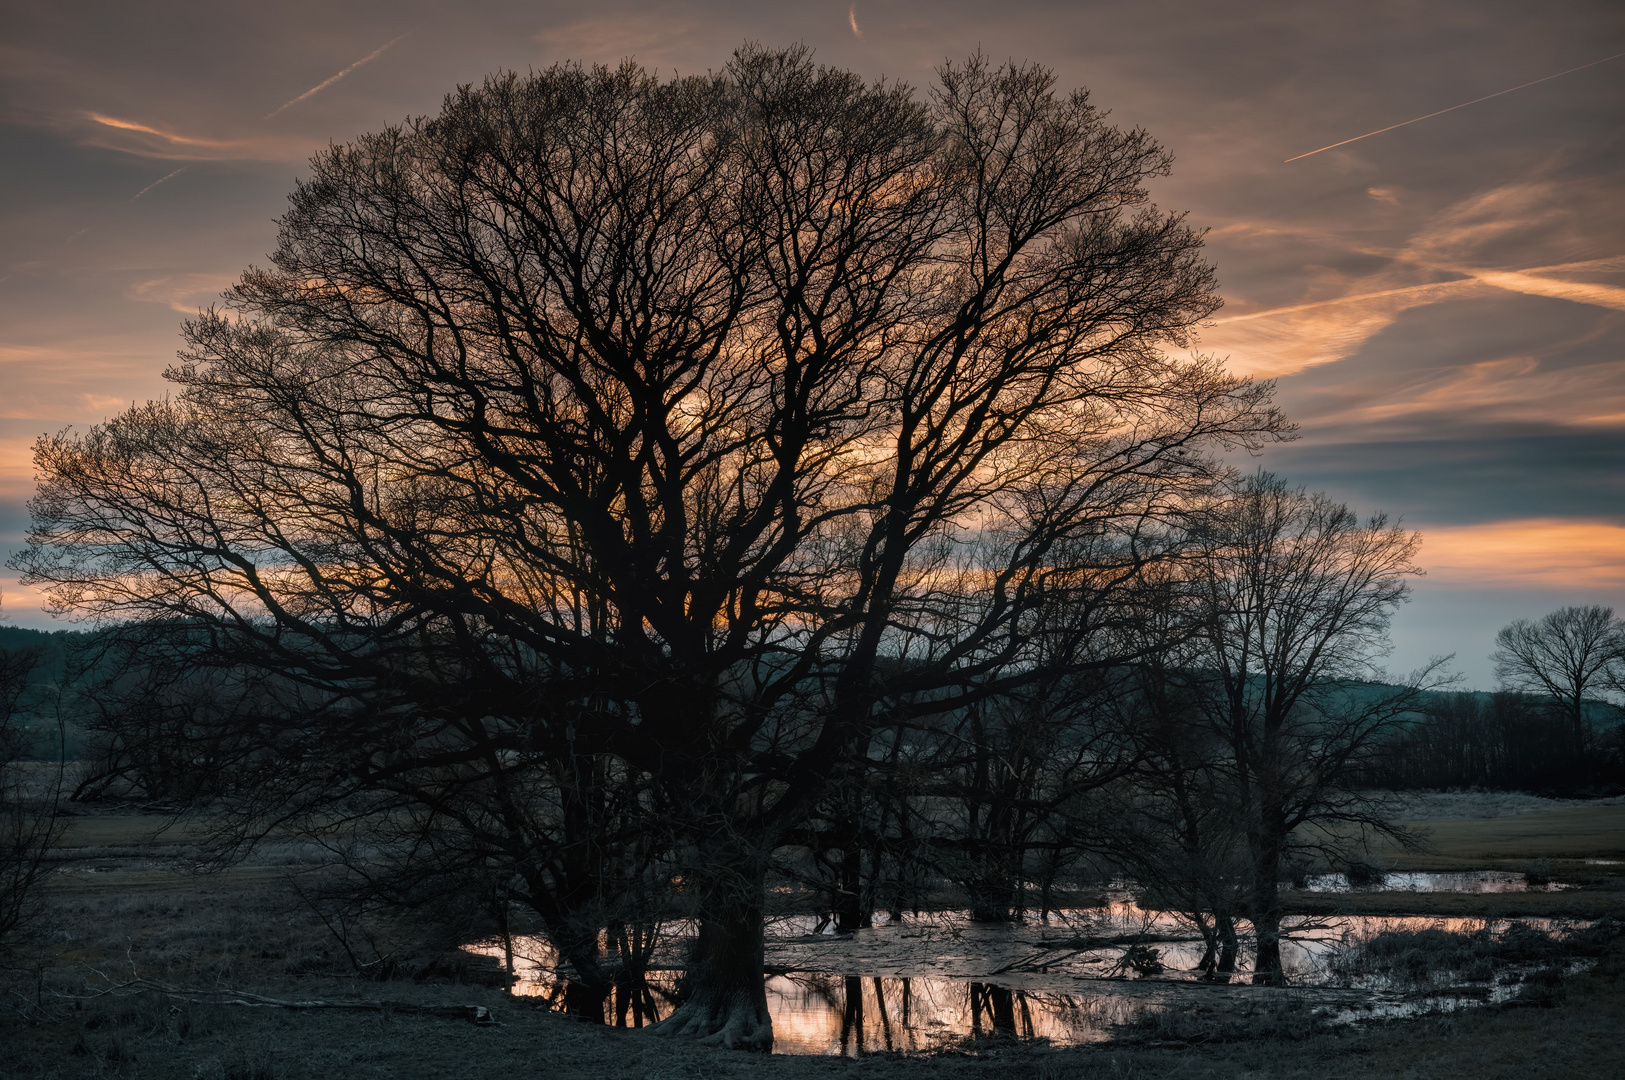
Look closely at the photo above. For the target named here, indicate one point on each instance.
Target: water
(936, 979)
(1467, 881)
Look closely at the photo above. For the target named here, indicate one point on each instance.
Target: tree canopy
(722, 408)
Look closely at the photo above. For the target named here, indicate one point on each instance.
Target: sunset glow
(1442, 303)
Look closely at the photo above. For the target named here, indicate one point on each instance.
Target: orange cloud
(167, 136)
(150, 141)
(1543, 552)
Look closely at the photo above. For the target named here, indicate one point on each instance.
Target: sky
(1442, 305)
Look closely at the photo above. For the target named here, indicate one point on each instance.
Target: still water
(936, 979)
(1467, 881)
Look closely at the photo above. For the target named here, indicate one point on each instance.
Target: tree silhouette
(733, 404)
(1566, 654)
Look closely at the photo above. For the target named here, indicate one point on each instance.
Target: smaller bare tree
(1568, 654)
(29, 798)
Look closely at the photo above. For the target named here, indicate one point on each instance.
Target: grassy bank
(1573, 833)
(1594, 903)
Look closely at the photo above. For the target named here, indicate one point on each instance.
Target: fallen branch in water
(477, 1014)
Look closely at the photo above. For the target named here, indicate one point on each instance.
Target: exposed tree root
(731, 1021)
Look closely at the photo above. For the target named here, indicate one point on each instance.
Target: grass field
(1571, 833)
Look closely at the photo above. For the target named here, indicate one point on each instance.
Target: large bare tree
(740, 402)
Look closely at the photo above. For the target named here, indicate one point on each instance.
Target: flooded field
(935, 980)
(1464, 881)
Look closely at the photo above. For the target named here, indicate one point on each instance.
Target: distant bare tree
(711, 398)
(1568, 654)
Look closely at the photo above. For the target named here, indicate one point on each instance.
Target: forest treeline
(1455, 739)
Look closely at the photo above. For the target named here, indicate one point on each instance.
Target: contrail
(158, 181)
(318, 88)
(1453, 108)
(852, 17)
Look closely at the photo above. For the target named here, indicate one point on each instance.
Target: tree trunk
(992, 901)
(849, 914)
(725, 994)
(590, 985)
(1227, 948)
(1266, 915)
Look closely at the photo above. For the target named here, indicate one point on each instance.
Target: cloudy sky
(1443, 304)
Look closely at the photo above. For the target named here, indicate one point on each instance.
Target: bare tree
(714, 394)
(29, 797)
(1292, 600)
(1568, 654)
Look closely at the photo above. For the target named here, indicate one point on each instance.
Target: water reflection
(937, 980)
(1470, 881)
(852, 1015)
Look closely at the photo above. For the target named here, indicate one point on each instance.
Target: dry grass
(1576, 904)
(1463, 805)
(1587, 831)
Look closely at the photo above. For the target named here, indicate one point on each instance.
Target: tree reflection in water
(821, 1013)
(852, 1015)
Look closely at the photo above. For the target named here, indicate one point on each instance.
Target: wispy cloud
(852, 17)
(183, 292)
(1580, 292)
(163, 144)
(319, 87)
(166, 136)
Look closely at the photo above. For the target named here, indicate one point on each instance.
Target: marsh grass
(1433, 954)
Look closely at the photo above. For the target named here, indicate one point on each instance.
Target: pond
(936, 979)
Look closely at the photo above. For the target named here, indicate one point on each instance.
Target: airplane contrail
(1453, 108)
(158, 181)
(1527, 281)
(852, 17)
(319, 87)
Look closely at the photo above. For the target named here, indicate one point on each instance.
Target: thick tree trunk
(1210, 945)
(1266, 916)
(1227, 948)
(590, 986)
(992, 901)
(725, 993)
